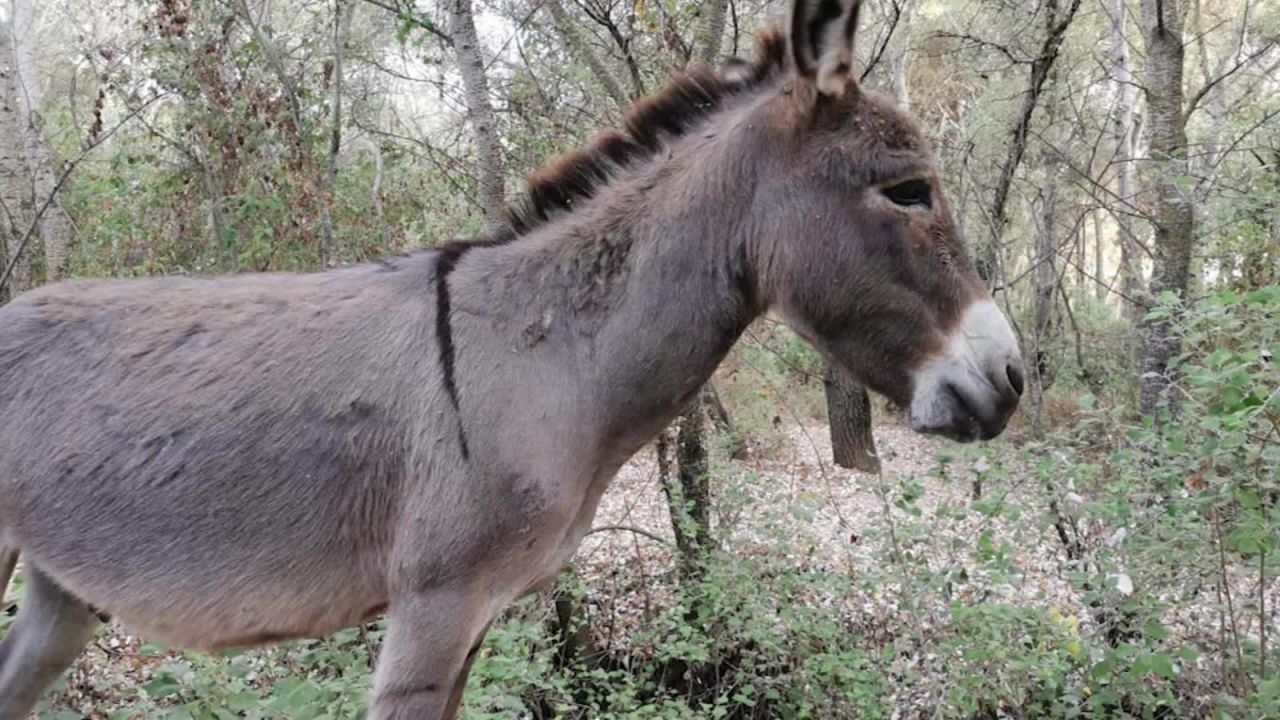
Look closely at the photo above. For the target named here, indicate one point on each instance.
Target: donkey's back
(238, 442)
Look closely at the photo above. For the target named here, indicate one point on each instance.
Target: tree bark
(720, 420)
(1124, 128)
(223, 233)
(54, 228)
(853, 444)
(1172, 212)
(709, 37)
(475, 85)
(1045, 278)
(576, 45)
(1099, 264)
(1046, 274)
(375, 191)
(902, 55)
(343, 10)
(15, 195)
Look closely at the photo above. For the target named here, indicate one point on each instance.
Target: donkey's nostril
(1014, 371)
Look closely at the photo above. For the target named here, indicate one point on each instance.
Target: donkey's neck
(639, 293)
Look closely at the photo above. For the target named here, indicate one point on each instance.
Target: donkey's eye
(911, 193)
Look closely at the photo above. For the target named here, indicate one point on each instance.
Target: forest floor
(836, 520)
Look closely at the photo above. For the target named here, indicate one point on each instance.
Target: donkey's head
(861, 254)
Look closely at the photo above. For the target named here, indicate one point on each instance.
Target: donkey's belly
(247, 622)
(192, 572)
(212, 608)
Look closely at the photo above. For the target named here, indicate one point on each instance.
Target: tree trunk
(475, 85)
(1124, 128)
(853, 445)
(1099, 264)
(709, 36)
(1045, 278)
(902, 54)
(1082, 250)
(720, 420)
(54, 226)
(576, 45)
(1172, 212)
(343, 11)
(375, 192)
(15, 195)
(224, 234)
(1046, 273)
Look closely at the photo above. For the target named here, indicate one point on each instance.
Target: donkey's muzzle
(972, 390)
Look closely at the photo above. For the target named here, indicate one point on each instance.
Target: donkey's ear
(822, 33)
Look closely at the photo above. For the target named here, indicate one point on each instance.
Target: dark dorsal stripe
(446, 261)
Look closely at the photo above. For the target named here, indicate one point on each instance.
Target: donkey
(232, 461)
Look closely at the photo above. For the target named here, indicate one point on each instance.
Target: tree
(1045, 276)
(1171, 210)
(577, 46)
(54, 226)
(709, 36)
(475, 87)
(343, 11)
(853, 444)
(1124, 130)
(849, 417)
(1057, 20)
(14, 197)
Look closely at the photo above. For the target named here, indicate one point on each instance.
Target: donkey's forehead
(866, 140)
(873, 120)
(864, 125)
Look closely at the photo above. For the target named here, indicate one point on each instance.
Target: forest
(788, 548)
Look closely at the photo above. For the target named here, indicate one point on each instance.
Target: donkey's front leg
(431, 640)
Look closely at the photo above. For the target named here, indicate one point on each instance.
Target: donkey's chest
(572, 535)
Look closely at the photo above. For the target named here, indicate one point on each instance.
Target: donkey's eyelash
(909, 193)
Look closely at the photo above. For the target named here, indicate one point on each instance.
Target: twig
(407, 15)
(1262, 612)
(884, 45)
(1226, 592)
(1209, 86)
(627, 528)
(804, 374)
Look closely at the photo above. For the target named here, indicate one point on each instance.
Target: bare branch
(1209, 86)
(406, 15)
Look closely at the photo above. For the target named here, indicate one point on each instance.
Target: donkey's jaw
(972, 389)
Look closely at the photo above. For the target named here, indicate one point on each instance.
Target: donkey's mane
(687, 98)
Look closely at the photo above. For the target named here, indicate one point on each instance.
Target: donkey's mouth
(954, 415)
(972, 389)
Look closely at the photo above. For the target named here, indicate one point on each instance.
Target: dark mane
(687, 98)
